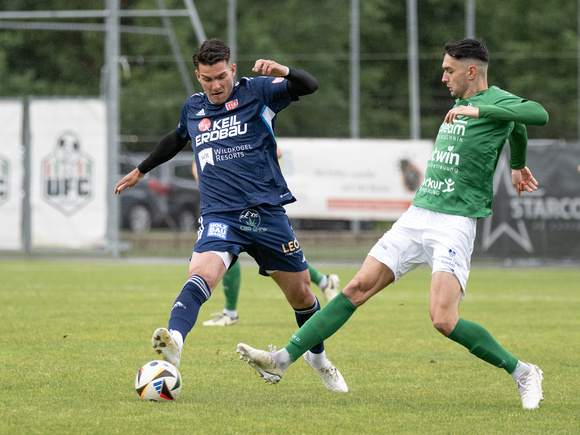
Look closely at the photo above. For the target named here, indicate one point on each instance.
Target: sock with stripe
(302, 315)
(186, 307)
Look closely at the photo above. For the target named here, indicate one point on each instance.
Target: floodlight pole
(232, 30)
(354, 69)
(413, 63)
(112, 51)
(470, 19)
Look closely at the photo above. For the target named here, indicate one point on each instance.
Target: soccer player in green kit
(439, 227)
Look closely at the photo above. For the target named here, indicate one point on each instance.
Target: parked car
(168, 196)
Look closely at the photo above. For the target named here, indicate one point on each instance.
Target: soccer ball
(158, 381)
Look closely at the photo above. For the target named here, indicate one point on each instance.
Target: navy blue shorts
(264, 232)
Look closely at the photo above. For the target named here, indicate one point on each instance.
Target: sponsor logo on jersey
(278, 80)
(443, 160)
(218, 229)
(205, 157)
(67, 175)
(4, 179)
(204, 124)
(231, 105)
(455, 131)
(200, 113)
(213, 155)
(447, 156)
(250, 220)
(221, 129)
(435, 187)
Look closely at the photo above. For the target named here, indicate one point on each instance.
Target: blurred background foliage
(533, 46)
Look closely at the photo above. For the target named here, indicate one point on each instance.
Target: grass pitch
(75, 333)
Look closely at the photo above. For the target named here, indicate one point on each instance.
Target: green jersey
(459, 176)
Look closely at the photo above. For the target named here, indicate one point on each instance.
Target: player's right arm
(527, 112)
(166, 149)
(194, 170)
(129, 180)
(522, 178)
(518, 141)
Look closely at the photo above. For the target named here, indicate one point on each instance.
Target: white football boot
(332, 288)
(329, 374)
(262, 361)
(165, 344)
(221, 319)
(530, 387)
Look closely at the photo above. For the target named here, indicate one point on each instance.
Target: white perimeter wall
(67, 174)
(11, 174)
(354, 179)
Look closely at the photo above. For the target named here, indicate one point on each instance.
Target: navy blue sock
(302, 315)
(186, 307)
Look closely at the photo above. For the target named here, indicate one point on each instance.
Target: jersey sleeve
(299, 83)
(165, 150)
(518, 141)
(525, 112)
(272, 91)
(181, 129)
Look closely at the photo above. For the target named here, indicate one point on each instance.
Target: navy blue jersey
(235, 147)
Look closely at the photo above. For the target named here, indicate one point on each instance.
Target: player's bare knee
(303, 297)
(443, 325)
(356, 293)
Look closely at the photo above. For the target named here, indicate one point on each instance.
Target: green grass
(75, 333)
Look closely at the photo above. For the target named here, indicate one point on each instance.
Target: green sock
(481, 344)
(321, 325)
(315, 276)
(231, 283)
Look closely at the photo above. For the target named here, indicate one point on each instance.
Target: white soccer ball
(158, 381)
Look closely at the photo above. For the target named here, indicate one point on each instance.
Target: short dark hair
(467, 49)
(211, 52)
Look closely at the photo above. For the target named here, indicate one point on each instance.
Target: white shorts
(420, 236)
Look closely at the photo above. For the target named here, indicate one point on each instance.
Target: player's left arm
(270, 68)
(299, 81)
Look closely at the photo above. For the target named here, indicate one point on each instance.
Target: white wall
(358, 179)
(67, 174)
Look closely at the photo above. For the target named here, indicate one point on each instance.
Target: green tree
(533, 48)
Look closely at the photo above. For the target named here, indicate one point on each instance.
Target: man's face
(455, 76)
(217, 80)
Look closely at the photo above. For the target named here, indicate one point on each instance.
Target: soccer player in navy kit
(231, 129)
